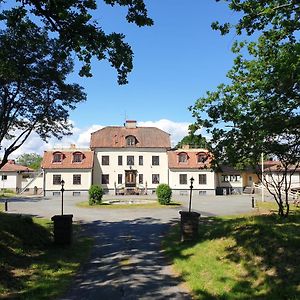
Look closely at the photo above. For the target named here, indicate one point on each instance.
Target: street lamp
(62, 183)
(191, 190)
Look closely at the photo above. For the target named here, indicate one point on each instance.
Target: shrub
(95, 194)
(164, 194)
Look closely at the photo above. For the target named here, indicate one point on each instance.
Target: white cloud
(81, 137)
(177, 130)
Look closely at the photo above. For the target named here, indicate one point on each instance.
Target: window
(202, 179)
(120, 179)
(141, 160)
(105, 160)
(57, 157)
(155, 178)
(56, 179)
(120, 160)
(202, 193)
(141, 178)
(76, 194)
(183, 193)
(105, 179)
(155, 160)
(182, 178)
(130, 160)
(4, 177)
(77, 157)
(130, 141)
(56, 194)
(225, 178)
(182, 158)
(76, 179)
(202, 157)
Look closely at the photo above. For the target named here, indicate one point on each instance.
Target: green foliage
(193, 140)
(35, 94)
(80, 33)
(27, 248)
(259, 107)
(240, 257)
(164, 194)
(31, 160)
(95, 194)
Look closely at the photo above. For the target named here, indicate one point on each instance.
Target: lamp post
(62, 183)
(191, 191)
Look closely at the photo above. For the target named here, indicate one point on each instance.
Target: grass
(241, 257)
(85, 204)
(31, 266)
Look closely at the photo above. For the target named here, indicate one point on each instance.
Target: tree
(193, 140)
(34, 95)
(31, 160)
(78, 32)
(260, 106)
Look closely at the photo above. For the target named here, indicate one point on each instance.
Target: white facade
(10, 180)
(52, 179)
(144, 168)
(203, 184)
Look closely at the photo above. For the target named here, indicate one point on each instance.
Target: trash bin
(189, 223)
(63, 229)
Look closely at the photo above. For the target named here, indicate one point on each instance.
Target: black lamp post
(62, 183)
(191, 191)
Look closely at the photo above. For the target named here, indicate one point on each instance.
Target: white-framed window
(120, 178)
(202, 157)
(155, 178)
(76, 194)
(182, 178)
(105, 160)
(130, 160)
(202, 193)
(4, 177)
(77, 157)
(56, 179)
(76, 179)
(120, 160)
(105, 179)
(141, 160)
(141, 178)
(155, 160)
(56, 194)
(57, 157)
(202, 179)
(130, 141)
(182, 157)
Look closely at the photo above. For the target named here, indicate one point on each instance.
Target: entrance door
(130, 178)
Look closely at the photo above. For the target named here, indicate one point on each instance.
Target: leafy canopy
(31, 160)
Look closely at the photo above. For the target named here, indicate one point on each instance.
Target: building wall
(113, 169)
(182, 189)
(67, 175)
(11, 182)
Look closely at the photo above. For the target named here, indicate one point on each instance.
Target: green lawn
(31, 266)
(241, 257)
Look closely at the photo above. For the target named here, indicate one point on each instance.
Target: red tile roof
(11, 166)
(67, 161)
(115, 137)
(192, 161)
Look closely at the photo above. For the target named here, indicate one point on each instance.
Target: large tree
(193, 140)
(31, 160)
(34, 94)
(258, 110)
(79, 32)
(33, 67)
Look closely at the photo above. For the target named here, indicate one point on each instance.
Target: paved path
(127, 261)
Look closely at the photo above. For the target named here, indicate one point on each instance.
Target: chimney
(130, 124)
(73, 146)
(186, 147)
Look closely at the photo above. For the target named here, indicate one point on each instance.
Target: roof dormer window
(130, 141)
(57, 157)
(77, 157)
(182, 157)
(202, 157)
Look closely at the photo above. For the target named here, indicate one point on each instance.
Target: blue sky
(175, 62)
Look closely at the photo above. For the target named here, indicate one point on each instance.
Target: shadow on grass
(266, 246)
(31, 266)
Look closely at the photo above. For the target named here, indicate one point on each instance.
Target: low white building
(14, 177)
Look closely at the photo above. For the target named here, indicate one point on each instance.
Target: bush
(95, 194)
(164, 194)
